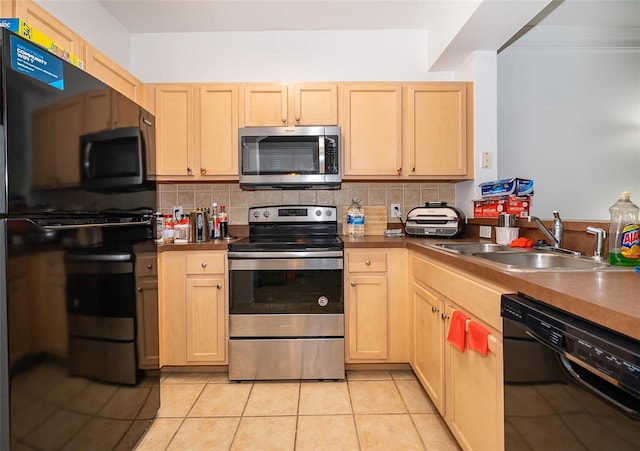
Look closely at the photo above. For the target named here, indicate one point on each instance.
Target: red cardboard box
(493, 206)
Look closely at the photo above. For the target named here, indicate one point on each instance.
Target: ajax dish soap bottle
(355, 219)
(624, 232)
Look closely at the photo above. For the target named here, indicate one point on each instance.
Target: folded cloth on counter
(457, 335)
(478, 339)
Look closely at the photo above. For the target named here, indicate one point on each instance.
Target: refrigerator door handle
(146, 222)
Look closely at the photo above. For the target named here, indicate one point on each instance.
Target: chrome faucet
(598, 248)
(557, 229)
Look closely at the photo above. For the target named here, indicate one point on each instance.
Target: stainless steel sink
(538, 261)
(472, 247)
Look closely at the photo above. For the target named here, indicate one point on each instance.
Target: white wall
(569, 119)
(480, 67)
(394, 55)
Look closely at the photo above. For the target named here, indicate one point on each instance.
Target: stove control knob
(329, 213)
(323, 301)
(256, 214)
(266, 213)
(318, 212)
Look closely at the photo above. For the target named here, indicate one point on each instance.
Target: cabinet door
(264, 106)
(103, 68)
(147, 323)
(436, 139)
(51, 27)
(372, 130)
(475, 408)
(206, 324)
(175, 152)
(315, 104)
(171, 300)
(428, 344)
(218, 130)
(368, 332)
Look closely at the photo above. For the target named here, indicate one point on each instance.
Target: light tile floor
(371, 410)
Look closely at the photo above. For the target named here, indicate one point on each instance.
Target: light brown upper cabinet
(196, 131)
(268, 105)
(419, 131)
(371, 120)
(437, 131)
(217, 130)
(48, 25)
(106, 70)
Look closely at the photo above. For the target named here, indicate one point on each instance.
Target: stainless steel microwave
(112, 160)
(290, 157)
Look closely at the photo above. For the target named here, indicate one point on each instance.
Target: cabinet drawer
(146, 266)
(367, 261)
(206, 264)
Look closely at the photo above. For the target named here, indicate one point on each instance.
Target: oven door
(285, 286)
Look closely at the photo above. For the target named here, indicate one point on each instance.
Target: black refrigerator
(79, 360)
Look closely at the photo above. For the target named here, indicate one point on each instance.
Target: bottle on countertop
(181, 230)
(223, 218)
(215, 222)
(355, 219)
(624, 232)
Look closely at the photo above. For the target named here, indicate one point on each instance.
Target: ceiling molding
(582, 37)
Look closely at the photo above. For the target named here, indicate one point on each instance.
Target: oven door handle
(286, 264)
(285, 254)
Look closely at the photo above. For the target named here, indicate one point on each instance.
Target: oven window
(280, 155)
(285, 291)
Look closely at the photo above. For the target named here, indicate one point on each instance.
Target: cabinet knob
(435, 309)
(367, 262)
(203, 264)
(219, 287)
(149, 267)
(413, 169)
(139, 289)
(444, 316)
(353, 284)
(399, 170)
(189, 171)
(297, 119)
(284, 120)
(203, 171)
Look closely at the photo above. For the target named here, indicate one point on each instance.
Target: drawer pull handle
(353, 284)
(435, 309)
(203, 264)
(367, 262)
(219, 287)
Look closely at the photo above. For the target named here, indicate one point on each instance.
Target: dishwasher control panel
(612, 355)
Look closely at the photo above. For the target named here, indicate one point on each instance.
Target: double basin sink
(520, 259)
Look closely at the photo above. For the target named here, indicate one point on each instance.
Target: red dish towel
(456, 335)
(478, 338)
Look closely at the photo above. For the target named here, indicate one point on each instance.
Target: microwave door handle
(86, 161)
(321, 154)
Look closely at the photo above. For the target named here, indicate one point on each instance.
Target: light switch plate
(486, 160)
(485, 231)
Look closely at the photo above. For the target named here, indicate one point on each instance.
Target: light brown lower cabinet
(376, 307)
(193, 308)
(146, 272)
(466, 387)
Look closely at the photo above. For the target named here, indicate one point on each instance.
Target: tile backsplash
(238, 201)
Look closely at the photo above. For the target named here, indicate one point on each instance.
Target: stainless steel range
(286, 303)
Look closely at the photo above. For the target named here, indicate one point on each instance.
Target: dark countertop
(608, 298)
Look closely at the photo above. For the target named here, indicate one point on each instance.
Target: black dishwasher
(569, 384)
